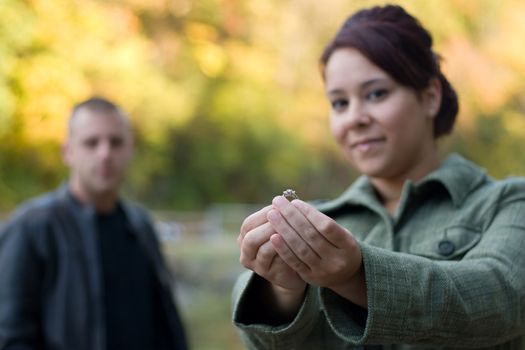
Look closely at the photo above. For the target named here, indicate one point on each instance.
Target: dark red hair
(397, 43)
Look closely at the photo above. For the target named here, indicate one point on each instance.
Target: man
(79, 267)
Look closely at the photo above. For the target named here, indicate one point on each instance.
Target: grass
(205, 271)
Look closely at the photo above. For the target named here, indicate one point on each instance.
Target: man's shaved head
(99, 106)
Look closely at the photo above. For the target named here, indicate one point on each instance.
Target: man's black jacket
(50, 276)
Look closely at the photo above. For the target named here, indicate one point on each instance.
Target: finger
(294, 241)
(254, 240)
(287, 255)
(254, 220)
(301, 224)
(265, 255)
(325, 225)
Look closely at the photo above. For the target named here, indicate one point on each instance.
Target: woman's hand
(281, 287)
(319, 250)
(259, 255)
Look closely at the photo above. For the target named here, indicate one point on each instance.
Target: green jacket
(447, 271)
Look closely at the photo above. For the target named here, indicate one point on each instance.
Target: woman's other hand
(284, 288)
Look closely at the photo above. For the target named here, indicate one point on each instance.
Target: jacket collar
(456, 175)
(65, 194)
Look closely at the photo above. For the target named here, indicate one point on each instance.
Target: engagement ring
(290, 194)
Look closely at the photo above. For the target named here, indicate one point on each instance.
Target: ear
(432, 97)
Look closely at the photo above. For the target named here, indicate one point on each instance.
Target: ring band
(290, 194)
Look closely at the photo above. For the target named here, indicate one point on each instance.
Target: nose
(357, 115)
(104, 150)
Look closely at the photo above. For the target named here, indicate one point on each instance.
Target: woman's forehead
(349, 67)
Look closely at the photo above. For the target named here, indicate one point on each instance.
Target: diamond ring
(290, 194)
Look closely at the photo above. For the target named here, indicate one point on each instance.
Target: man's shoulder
(31, 217)
(36, 208)
(134, 209)
(137, 214)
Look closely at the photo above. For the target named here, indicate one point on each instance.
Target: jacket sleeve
(475, 302)
(262, 336)
(21, 271)
(308, 330)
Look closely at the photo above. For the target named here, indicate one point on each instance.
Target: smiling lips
(366, 144)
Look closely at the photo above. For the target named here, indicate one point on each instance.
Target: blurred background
(229, 110)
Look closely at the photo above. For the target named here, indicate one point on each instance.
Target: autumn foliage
(226, 96)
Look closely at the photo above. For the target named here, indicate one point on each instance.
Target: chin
(373, 174)
(105, 189)
(371, 169)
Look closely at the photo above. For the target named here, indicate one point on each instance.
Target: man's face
(98, 151)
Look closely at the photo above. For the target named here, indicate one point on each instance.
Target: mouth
(366, 143)
(106, 172)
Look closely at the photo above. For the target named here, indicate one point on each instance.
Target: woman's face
(384, 129)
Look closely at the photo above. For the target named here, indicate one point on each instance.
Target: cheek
(122, 163)
(123, 158)
(78, 160)
(336, 127)
(408, 129)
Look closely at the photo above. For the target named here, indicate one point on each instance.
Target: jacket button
(446, 247)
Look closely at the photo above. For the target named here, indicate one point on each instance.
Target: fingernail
(279, 201)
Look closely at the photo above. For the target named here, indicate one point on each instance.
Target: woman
(418, 252)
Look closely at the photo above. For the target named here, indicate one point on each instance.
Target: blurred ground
(202, 252)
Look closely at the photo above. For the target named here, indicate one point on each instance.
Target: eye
(90, 142)
(339, 105)
(377, 95)
(116, 142)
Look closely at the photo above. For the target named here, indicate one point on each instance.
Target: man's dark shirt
(134, 315)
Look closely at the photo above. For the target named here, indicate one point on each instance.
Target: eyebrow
(363, 85)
